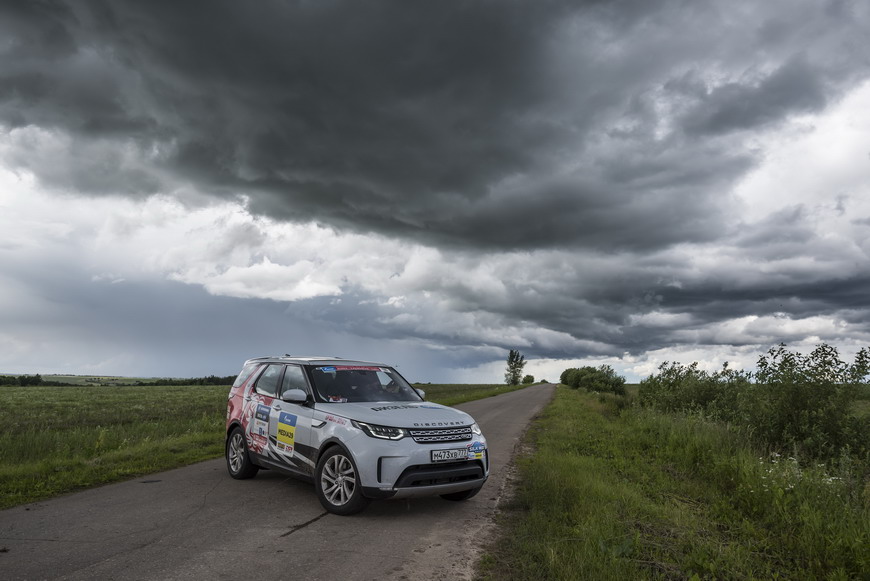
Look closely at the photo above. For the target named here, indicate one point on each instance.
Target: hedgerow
(792, 401)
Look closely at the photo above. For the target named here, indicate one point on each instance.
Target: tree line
(22, 380)
(38, 380)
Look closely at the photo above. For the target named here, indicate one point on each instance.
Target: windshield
(354, 383)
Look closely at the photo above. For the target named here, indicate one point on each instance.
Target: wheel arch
(327, 445)
(232, 426)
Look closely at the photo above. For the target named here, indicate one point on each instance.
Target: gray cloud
(795, 87)
(449, 124)
(601, 138)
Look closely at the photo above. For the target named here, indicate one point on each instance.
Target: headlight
(380, 432)
(475, 429)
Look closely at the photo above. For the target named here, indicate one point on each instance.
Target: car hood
(399, 414)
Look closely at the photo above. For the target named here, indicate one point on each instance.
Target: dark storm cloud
(610, 134)
(795, 87)
(449, 123)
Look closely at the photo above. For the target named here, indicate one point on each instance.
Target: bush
(529, 379)
(792, 402)
(689, 389)
(806, 401)
(600, 379)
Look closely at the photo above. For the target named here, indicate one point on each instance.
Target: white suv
(356, 428)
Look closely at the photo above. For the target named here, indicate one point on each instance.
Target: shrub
(600, 379)
(806, 401)
(791, 402)
(689, 389)
(529, 379)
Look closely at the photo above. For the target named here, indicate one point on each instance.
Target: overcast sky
(185, 185)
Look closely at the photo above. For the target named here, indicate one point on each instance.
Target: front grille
(431, 435)
(435, 474)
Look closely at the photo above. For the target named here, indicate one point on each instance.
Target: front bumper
(432, 480)
(404, 468)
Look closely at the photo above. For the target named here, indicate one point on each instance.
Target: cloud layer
(622, 181)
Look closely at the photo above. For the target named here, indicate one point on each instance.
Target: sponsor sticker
(336, 419)
(475, 451)
(286, 432)
(394, 407)
(329, 369)
(355, 368)
(262, 413)
(256, 443)
(261, 420)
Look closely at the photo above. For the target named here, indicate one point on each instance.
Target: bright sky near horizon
(187, 185)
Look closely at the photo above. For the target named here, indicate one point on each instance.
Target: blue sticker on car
(475, 451)
(262, 413)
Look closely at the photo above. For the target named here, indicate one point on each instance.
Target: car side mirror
(294, 396)
(420, 392)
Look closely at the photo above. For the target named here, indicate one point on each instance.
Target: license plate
(448, 455)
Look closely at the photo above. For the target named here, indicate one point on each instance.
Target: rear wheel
(239, 463)
(463, 495)
(338, 484)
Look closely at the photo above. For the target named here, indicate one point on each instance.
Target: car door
(262, 398)
(290, 426)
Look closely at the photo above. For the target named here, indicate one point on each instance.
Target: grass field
(610, 493)
(58, 439)
(55, 440)
(104, 380)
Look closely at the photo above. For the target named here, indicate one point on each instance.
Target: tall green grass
(58, 439)
(612, 493)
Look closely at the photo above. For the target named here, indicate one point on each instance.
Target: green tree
(515, 363)
(27, 380)
(529, 379)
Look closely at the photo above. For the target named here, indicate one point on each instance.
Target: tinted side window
(294, 378)
(245, 374)
(267, 384)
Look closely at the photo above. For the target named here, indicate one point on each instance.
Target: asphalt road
(198, 523)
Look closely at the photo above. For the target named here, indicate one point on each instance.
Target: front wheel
(462, 495)
(337, 482)
(239, 463)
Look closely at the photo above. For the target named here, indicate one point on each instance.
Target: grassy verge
(630, 494)
(55, 440)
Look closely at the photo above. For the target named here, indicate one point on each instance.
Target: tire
(337, 483)
(239, 463)
(462, 495)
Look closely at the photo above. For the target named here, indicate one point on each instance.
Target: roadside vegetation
(675, 479)
(55, 440)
